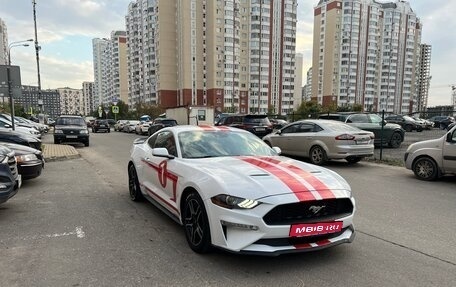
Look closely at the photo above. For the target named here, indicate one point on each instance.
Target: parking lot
(395, 155)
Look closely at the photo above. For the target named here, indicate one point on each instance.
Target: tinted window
(361, 118)
(70, 122)
(257, 121)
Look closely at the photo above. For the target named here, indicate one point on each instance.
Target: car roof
(69, 116)
(183, 128)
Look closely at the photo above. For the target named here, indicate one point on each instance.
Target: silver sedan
(323, 140)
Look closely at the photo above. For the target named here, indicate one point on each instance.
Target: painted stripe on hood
(318, 185)
(295, 185)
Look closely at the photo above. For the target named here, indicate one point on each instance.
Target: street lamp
(8, 73)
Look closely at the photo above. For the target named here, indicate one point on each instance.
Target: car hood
(429, 144)
(260, 177)
(21, 149)
(392, 126)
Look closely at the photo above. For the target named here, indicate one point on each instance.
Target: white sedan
(230, 190)
(323, 140)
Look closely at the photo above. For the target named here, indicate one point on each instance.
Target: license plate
(71, 137)
(260, 129)
(102, 126)
(310, 229)
(362, 142)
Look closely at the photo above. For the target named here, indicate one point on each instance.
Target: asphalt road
(75, 226)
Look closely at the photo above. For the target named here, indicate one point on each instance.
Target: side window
(306, 128)
(357, 119)
(290, 129)
(166, 140)
(228, 121)
(151, 141)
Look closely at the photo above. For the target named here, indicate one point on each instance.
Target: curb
(58, 152)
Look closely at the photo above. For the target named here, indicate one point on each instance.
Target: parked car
(220, 116)
(426, 124)
(30, 161)
(407, 123)
(71, 129)
(323, 140)
(10, 179)
(437, 120)
(230, 190)
(101, 125)
(385, 133)
(431, 159)
(160, 123)
(111, 122)
(258, 125)
(142, 128)
(130, 126)
(278, 123)
(42, 128)
(444, 123)
(119, 125)
(31, 131)
(9, 136)
(450, 126)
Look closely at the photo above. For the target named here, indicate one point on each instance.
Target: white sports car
(231, 190)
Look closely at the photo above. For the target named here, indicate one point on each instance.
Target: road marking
(78, 232)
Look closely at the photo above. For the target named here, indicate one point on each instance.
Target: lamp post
(8, 74)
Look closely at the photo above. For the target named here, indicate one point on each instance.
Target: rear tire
(408, 128)
(317, 155)
(425, 168)
(133, 184)
(396, 140)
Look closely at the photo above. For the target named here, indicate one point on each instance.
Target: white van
(431, 159)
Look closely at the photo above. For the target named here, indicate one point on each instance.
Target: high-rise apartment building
(234, 55)
(110, 69)
(98, 49)
(87, 98)
(71, 101)
(424, 78)
(297, 100)
(366, 53)
(3, 43)
(30, 97)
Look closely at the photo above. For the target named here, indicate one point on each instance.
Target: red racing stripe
(301, 191)
(318, 185)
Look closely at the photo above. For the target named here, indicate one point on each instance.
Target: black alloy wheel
(425, 168)
(133, 184)
(196, 224)
(396, 140)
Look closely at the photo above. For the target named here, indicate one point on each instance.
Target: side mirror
(161, 152)
(449, 137)
(277, 150)
(279, 132)
(8, 126)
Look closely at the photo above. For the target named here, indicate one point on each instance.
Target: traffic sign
(115, 109)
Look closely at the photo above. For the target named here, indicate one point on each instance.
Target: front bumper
(245, 231)
(71, 138)
(30, 170)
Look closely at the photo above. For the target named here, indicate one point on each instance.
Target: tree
(306, 110)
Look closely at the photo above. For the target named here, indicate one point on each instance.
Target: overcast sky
(66, 29)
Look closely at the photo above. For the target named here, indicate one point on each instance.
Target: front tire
(86, 143)
(425, 168)
(317, 155)
(196, 224)
(133, 184)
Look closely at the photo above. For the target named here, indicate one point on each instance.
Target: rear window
(70, 122)
(257, 120)
(169, 122)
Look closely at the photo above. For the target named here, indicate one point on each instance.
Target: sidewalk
(55, 152)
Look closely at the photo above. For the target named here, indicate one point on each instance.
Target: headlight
(58, 132)
(25, 157)
(84, 132)
(230, 202)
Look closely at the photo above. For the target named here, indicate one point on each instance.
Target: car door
(301, 138)
(282, 138)
(160, 178)
(449, 154)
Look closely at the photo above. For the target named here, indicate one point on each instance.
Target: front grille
(309, 211)
(71, 132)
(12, 165)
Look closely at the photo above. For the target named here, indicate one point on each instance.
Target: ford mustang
(230, 190)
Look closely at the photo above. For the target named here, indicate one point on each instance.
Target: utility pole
(37, 50)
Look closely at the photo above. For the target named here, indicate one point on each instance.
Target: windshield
(376, 119)
(70, 122)
(201, 144)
